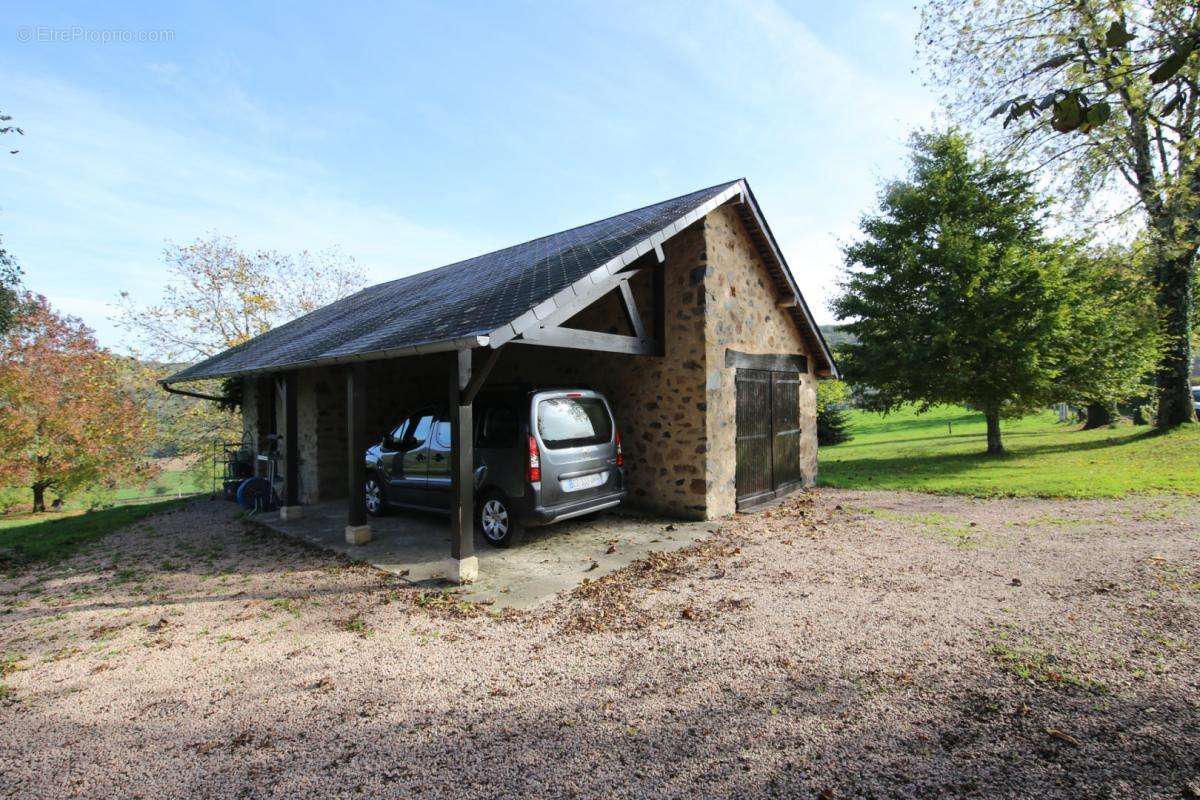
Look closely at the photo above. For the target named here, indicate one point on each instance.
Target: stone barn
(684, 314)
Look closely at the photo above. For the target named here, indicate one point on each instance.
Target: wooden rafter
(629, 305)
(551, 332)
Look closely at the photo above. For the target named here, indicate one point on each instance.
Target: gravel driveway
(844, 644)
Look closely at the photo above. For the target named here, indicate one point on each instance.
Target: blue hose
(254, 492)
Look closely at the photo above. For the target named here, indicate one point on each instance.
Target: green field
(942, 451)
(51, 536)
(172, 480)
(86, 516)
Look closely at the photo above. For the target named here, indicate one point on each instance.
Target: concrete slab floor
(415, 545)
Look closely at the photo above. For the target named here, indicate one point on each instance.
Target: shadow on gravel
(812, 736)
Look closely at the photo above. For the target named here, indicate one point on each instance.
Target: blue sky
(413, 135)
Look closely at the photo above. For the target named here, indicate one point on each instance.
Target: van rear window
(573, 422)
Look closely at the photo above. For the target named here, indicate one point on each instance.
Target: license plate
(584, 482)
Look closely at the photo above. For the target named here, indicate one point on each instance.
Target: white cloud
(96, 193)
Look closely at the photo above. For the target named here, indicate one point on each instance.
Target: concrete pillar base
(462, 570)
(291, 512)
(358, 534)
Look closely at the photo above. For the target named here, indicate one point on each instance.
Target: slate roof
(453, 304)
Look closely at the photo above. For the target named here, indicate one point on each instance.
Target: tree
(217, 296)
(952, 292)
(1105, 95)
(10, 290)
(1112, 341)
(66, 419)
(832, 424)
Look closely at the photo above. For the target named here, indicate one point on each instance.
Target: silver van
(540, 456)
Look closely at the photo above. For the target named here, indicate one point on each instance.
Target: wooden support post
(481, 376)
(358, 531)
(463, 566)
(291, 448)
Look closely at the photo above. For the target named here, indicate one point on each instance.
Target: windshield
(1196, 394)
(573, 422)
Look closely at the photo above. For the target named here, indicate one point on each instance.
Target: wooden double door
(768, 435)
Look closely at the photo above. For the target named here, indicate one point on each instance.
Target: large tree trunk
(1174, 283)
(39, 497)
(1099, 415)
(994, 446)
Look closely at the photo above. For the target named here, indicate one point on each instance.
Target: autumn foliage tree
(10, 290)
(67, 417)
(217, 295)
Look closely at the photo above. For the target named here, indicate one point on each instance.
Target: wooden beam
(568, 308)
(462, 461)
(291, 440)
(482, 375)
(782, 362)
(590, 340)
(356, 444)
(631, 311)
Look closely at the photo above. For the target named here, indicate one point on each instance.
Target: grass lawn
(169, 482)
(173, 479)
(943, 451)
(55, 535)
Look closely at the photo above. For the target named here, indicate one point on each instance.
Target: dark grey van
(540, 456)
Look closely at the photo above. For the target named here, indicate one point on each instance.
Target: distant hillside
(835, 336)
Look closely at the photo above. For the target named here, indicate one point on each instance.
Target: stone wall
(253, 420)
(328, 475)
(257, 397)
(742, 313)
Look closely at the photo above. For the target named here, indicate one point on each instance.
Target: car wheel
(495, 520)
(373, 496)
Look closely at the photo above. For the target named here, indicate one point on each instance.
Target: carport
(667, 309)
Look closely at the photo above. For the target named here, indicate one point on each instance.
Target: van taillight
(620, 452)
(534, 473)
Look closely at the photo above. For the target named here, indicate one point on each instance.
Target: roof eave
(441, 346)
(760, 221)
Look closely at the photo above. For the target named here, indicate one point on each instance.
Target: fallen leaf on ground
(103, 630)
(1062, 736)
